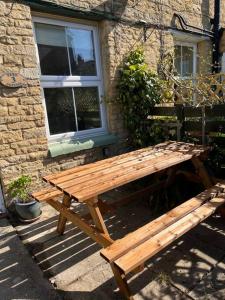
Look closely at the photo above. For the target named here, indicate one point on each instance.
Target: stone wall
(23, 143)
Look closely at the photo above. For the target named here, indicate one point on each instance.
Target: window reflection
(81, 51)
(60, 110)
(87, 107)
(51, 41)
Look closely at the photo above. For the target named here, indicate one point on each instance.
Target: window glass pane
(187, 60)
(53, 55)
(81, 50)
(87, 107)
(177, 60)
(60, 110)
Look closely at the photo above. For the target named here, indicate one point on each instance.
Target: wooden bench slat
(143, 252)
(132, 240)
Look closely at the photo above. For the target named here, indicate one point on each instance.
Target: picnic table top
(88, 181)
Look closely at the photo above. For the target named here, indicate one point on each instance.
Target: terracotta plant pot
(28, 211)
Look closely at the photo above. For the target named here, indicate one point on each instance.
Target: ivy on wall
(139, 90)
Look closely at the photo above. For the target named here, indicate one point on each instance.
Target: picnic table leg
(100, 225)
(96, 215)
(62, 220)
(202, 172)
(121, 282)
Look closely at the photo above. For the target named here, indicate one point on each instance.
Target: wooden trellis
(207, 89)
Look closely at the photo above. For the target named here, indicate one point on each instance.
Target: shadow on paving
(20, 278)
(73, 263)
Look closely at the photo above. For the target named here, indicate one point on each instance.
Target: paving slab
(185, 262)
(39, 231)
(99, 284)
(212, 286)
(20, 277)
(72, 262)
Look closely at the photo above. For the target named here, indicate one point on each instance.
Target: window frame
(57, 81)
(194, 46)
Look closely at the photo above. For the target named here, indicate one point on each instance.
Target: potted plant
(27, 208)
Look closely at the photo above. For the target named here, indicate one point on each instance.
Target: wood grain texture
(46, 194)
(97, 216)
(132, 240)
(62, 218)
(85, 182)
(146, 250)
(78, 221)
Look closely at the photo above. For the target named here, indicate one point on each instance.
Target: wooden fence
(206, 123)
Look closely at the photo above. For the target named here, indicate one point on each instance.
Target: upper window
(70, 77)
(185, 59)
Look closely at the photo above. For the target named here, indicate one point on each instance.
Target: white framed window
(185, 59)
(71, 78)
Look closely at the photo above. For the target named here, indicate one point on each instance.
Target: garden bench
(127, 254)
(86, 183)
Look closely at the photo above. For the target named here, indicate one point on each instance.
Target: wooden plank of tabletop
(52, 191)
(146, 250)
(95, 172)
(101, 168)
(88, 179)
(44, 196)
(110, 174)
(132, 240)
(106, 161)
(172, 146)
(137, 173)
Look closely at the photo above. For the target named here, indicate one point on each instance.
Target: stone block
(30, 61)
(3, 111)
(30, 100)
(10, 137)
(23, 24)
(34, 91)
(20, 14)
(9, 40)
(13, 92)
(26, 40)
(12, 60)
(2, 30)
(7, 153)
(34, 133)
(21, 125)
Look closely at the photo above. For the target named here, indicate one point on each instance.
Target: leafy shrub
(19, 188)
(139, 90)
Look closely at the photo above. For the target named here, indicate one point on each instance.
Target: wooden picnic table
(85, 183)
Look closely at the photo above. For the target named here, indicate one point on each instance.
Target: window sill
(71, 146)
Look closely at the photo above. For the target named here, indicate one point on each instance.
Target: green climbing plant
(139, 90)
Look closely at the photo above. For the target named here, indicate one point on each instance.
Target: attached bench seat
(137, 247)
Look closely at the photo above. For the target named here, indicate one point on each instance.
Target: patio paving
(20, 277)
(193, 267)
